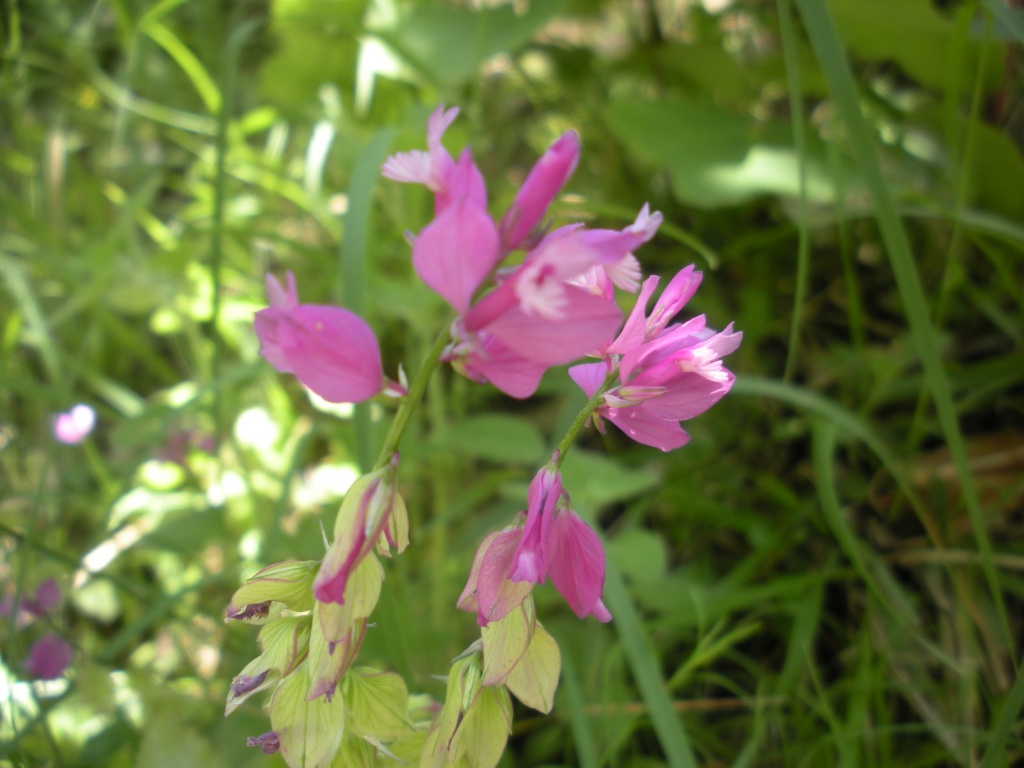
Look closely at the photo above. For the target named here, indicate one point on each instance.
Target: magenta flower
(74, 425)
(49, 657)
(544, 181)
(332, 351)
(667, 373)
(554, 542)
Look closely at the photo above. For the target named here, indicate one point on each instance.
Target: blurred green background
(829, 574)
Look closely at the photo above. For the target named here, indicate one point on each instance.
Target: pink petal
(588, 323)
(531, 557)
(489, 591)
(632, 334)
(333, 352)
(508, 371)
(544, 181)
(455, 252)
(577, 564)
(589, 376)
(641, 426)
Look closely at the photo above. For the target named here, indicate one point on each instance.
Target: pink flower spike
(49, 657)
(576, 565)
(74, 425)
(332, 351)
(543, 182)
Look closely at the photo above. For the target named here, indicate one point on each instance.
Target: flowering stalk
(509, 325)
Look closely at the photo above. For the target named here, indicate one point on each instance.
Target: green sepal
(534, 679)
(327, 664)
(310, 731)
(290, 583)
(284, 642)
(486, 726)
(505, 641)
(378, 704)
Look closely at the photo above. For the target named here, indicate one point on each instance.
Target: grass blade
(829, 50)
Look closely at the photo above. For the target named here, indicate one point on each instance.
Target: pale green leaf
(534, 679)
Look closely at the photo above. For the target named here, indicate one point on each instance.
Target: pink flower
(74, 425)
(668, 373)
(332, 351)
(544, 181)
(554, 542)
(49, 657)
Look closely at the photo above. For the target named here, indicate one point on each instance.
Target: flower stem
(585, 413)
(410, 401)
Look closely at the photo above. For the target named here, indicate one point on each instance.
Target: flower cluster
(525, 298)
(556, 305)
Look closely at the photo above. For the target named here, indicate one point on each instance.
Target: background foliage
(829, 574)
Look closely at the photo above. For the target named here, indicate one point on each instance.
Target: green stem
(409, 403)
(585, 413)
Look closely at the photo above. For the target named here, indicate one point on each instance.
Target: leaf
(448, 44)
(377, 704)
(497, 438)
(710, 153)
(310, 731)
(486, 727)
(597, 481)
(505, 641)
(534, 679)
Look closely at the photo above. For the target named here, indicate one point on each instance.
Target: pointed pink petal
(330, 350)
(577, 564)
(455, 252)
(647, 429)
(543, 182)
(589, 376)
(633, 332)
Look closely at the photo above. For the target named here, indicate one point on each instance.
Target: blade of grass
(352, 287)
(586, 754)
(232, 52)
(803, 250)
(1005, 723)
(644, 663)
(1010, 17)
(829, 50)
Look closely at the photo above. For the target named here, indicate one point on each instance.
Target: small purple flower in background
(332, 351)
(667, 373)
(49, 657)
(74, 425)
